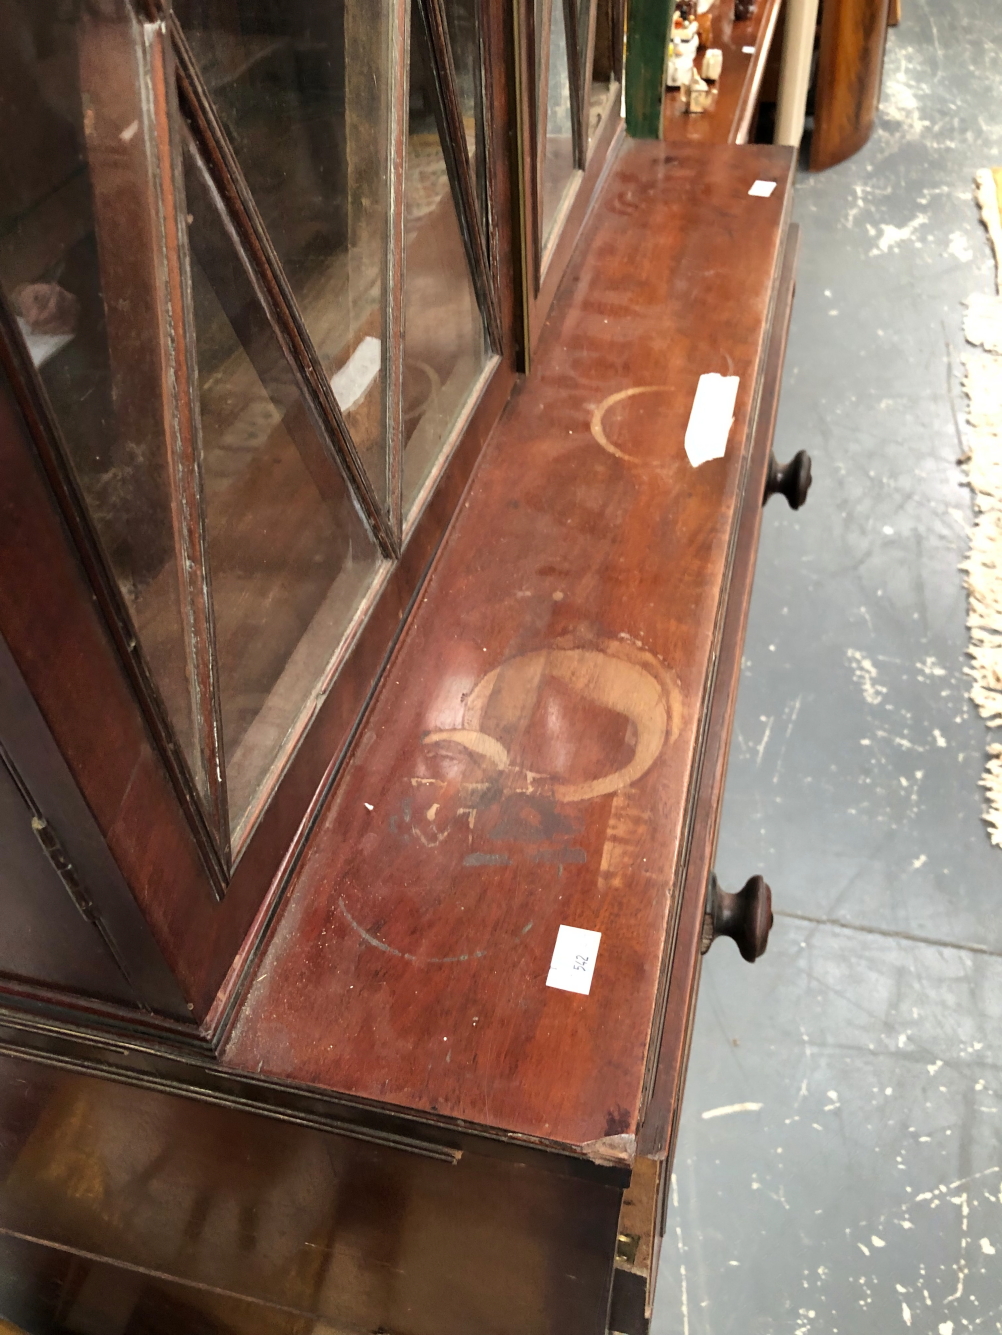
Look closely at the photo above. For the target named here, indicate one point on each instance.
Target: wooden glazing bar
(618, 8)
(393, 297)
(575, 81)
(457, 159)
(183, 431)
(290, 328)
(487, 58)
(527, 141)
(590, 21)
(541, 51)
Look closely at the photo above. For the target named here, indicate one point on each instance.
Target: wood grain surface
(533, 754)
(660, 1118)
(729, 120)
(850, 69)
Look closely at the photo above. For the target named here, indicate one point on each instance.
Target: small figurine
(713, 61)
(47, 308)
(698, 95)
(683, 45)
(743, 9)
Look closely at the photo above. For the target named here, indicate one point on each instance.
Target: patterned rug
(983, 463)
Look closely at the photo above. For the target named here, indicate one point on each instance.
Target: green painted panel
(646, 38)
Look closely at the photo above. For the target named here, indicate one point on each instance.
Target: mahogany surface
(532, 756)
(850, 69)
(660, 1120)
(729, 119)
(574, 211)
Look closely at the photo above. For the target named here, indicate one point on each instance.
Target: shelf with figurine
(715, 59)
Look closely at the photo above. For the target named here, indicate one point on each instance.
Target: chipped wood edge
(611, 1151)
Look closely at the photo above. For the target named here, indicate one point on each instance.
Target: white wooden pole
(795, 70)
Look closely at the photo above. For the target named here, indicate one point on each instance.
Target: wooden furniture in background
(746, 48)
(654, 112)
(850, 68)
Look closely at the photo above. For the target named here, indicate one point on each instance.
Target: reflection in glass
(78, 238)
(289, 558)
(464, 38)
(444, 344)
(303, 92)
(558, 149)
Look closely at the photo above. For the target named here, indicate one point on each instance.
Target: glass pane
(444, 344)
(290, 560)
(78, 242)
(464, 39)
(303, 91)
(558, 150)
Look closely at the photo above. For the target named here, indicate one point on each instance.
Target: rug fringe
(988, 192)
(983, 462)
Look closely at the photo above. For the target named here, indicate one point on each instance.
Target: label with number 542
(573, 961)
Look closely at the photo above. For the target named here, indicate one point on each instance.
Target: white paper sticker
(763, 189)
(747, 50)
(711, 417)
(573, 961)
(357, 374)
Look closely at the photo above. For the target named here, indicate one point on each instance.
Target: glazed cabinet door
(255, 294)
(572, 82)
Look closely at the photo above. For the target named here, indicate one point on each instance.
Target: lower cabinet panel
(361, 1236)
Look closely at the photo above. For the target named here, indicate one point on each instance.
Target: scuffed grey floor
(859, 1189)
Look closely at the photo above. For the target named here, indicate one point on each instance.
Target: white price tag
(747, 50)
(763, 189)
(573, 961)
(711, 417)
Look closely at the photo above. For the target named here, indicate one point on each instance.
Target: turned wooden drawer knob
(745, 917)
(792, 479)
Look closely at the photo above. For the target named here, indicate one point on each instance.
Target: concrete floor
(861, 1190)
